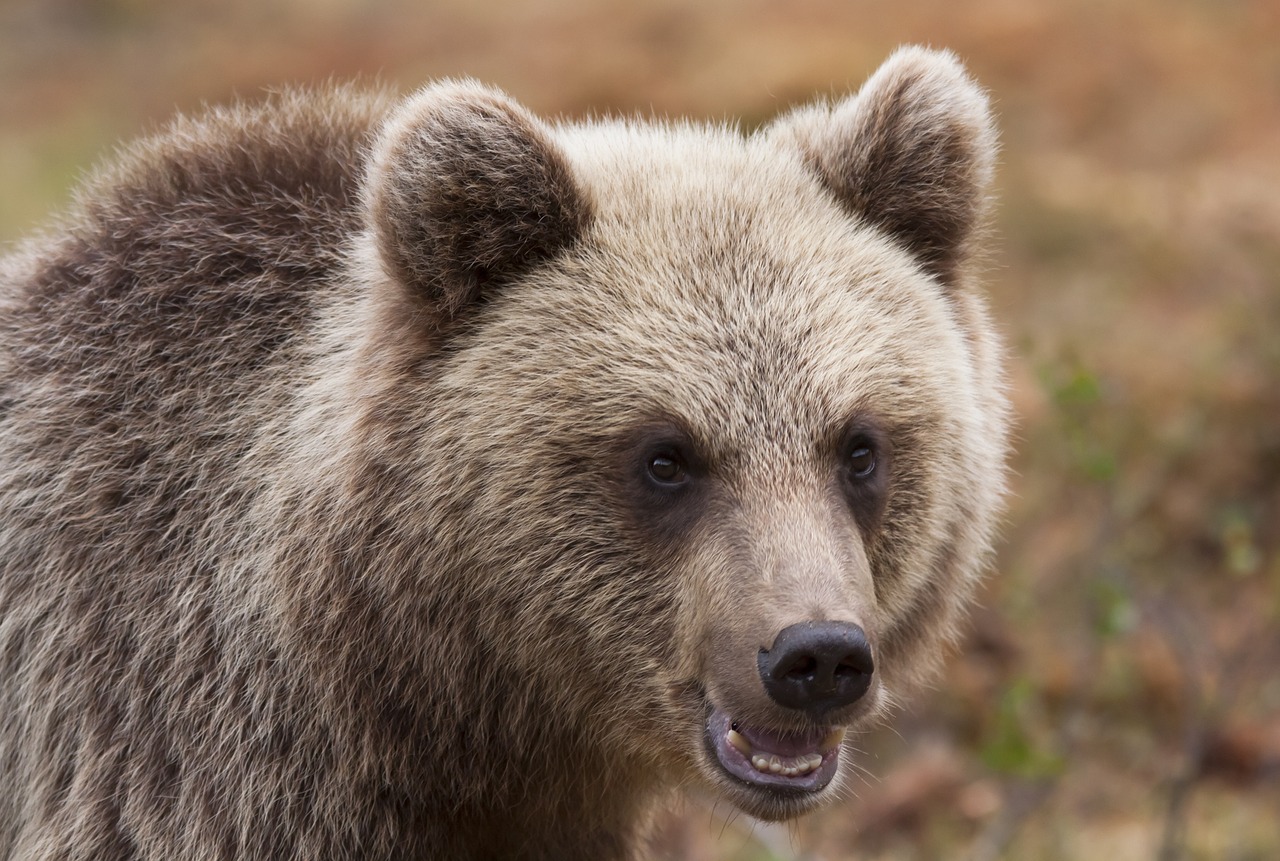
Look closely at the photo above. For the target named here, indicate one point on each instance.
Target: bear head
(701, 434)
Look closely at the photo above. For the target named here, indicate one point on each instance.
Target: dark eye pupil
(666, 468)
(862, 461)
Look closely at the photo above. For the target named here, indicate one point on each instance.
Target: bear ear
(465, 187)
(912, 153)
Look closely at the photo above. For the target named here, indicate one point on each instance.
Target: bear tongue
(790, 744)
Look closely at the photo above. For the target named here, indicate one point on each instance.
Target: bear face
(704, 390)
(426, 480)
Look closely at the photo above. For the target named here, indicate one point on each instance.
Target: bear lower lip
(789, 762)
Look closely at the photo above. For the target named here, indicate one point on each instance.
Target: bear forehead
(695, 180)
(714, 232)
(719, 284)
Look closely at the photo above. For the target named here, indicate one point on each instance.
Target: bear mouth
(786, 763)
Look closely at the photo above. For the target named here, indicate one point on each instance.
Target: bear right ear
(912, 153)
(465, 187)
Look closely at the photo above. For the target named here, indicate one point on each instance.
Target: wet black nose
(817, 667)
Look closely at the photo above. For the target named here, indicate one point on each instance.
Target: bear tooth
(739, 741)
(787, 767)
(833, 739)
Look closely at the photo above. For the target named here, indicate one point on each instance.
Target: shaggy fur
(325, 525)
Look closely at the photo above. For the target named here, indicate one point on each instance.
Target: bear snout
(817, 667)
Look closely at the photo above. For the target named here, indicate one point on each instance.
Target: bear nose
(817, 667)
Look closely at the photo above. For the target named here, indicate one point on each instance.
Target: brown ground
(1118, 696)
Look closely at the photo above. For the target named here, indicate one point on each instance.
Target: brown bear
(417, 479)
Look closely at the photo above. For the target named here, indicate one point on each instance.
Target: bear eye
(862, 460)
(666, 467)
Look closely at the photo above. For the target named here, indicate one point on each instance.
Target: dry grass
(1118, 696)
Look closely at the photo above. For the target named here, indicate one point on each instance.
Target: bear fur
(416, 479)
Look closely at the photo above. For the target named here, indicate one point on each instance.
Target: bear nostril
(846, 668)
(802, 668)
(817, 667)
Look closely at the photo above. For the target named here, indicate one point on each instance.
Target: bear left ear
(912, 153)
(465, 186)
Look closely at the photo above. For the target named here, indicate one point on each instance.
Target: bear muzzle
(817, 677)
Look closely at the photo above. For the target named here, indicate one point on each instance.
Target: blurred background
(1118, 691)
